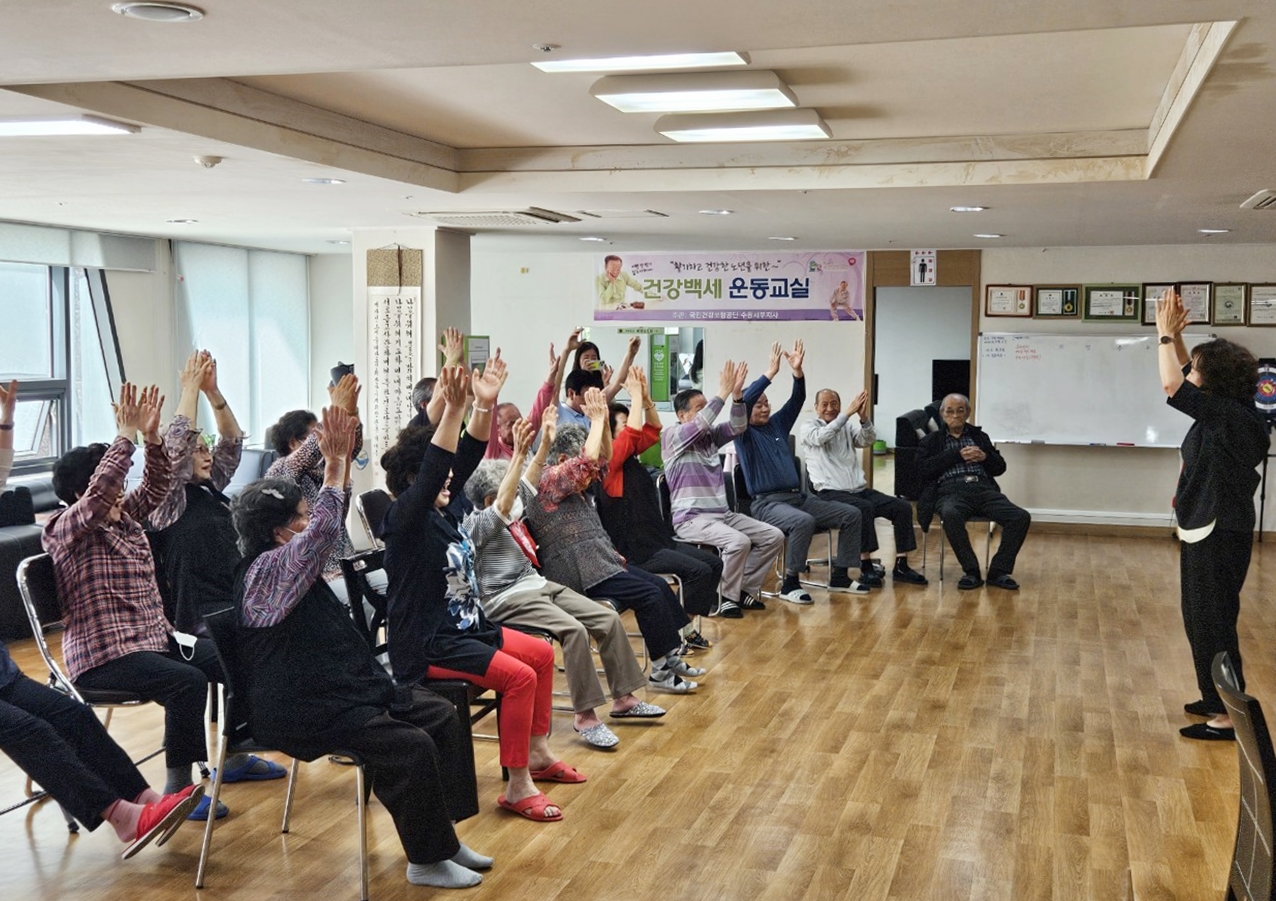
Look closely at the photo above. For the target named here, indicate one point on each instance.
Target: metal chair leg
(212, 816)
(288, 795)
(363, 833)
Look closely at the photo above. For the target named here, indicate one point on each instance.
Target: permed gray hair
(485, 481)
(569, 440)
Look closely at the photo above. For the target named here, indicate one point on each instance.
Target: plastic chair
(235, 738)
(1251, 875)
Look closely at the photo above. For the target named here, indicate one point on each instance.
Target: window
(250, 309)
(56, 326)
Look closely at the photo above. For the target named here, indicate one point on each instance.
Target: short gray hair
(569, 440)
(486, 481)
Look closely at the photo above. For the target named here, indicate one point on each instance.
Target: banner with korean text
(738, 286)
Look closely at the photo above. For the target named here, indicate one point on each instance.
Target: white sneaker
(799, 596)
(680, 666)
(665, 679)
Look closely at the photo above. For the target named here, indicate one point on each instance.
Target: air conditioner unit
(1263, 200)
(495, 218)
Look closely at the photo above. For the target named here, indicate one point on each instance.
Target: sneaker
(665, 679)
(876, 565)
(728, 610)
(696, 641)
(160, 819)
(799, 596)
(847, 584)
(905, 573)
(749, 602)
(680, 666)
(870, 578)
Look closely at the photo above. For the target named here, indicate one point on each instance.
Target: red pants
(522, 672)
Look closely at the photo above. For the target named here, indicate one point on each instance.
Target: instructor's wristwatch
(1166, 339)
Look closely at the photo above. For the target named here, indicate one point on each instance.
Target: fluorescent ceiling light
(57, 126)
(690, 92)
(1213, 231)
(716, 212)
(990, 236)
(646, 63)
(781, 238)
(763, 125)
(967, 209)
(159, 12)
(181, 221)
(324, 181)
(594, 238)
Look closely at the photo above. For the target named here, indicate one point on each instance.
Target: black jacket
(933, 460)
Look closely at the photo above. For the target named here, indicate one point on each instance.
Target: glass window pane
(35, 429)
(90, 397)
(26, 341)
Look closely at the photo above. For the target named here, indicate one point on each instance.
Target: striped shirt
(105, 573)
(960, 471)
(692, 468)
(500, 564)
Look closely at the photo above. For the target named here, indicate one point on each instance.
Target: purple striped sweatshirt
(692, 467)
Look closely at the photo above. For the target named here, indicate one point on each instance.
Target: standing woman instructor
(1214, 501)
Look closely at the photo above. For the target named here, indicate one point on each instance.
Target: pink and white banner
(738, 286)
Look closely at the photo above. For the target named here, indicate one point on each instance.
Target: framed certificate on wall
(1262, 304)
(1151, 294)
(1056, 301)
(1008, 300)
(1196, 301)
(1230, 302)
(1112, 302)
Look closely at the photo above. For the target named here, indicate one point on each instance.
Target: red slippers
(559, 772)
(532, 808)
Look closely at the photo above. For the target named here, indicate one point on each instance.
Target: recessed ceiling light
(990, 236)
(716, 212)
(159, 12)
(1213, 231)
(324, 181)
(338, 242)
(967, 209)
(694, 92)
(57, 126)
(643, 63)
(182, 221)
(594, 238)
(781, 238)
(753, 125)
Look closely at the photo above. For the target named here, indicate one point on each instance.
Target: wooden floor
(912, 744)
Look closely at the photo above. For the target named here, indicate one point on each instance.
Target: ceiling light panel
(761, 125)
(56, 126)
(646, 63)
(160, 12)
(687, 92)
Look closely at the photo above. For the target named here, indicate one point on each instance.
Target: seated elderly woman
(313, 685)
(295, 438)
(576, 552)
(437, 628)
(514, 594)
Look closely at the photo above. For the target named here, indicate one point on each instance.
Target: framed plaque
(1056, 301)
(1230, 303)
(1151, 293)
(1112, 303)
(1262, 304)
(1008, 300)
(1196, 301)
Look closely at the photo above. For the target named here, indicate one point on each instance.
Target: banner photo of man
(825, 285)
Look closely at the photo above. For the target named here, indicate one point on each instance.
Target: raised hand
(595, 405)
(726, 379)
(635, 344)
(453, 380)
(607, 374)
(345, 394)
(634, 385)
(737, 384)
(209, 384)
(149, 405)
(192, 374)
(336, 437)
(523, 434)
(486, 385)
(858, 405)
(573, 342)
(8, 402)
(773, 365)
(796, 357)
(1171, 315)
(127, 413)
(452, 347)
(549, 426)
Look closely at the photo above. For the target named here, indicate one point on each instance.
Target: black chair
(236, 739)
(372, 506)
(739, 500)
(1251, 876)
(465, 696)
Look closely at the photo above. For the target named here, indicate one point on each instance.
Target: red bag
(523, 538)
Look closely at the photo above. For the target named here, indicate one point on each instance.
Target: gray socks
(468, 857)
(178, 778)
(444, 874)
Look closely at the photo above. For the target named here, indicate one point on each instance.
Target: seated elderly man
(514, 594)
(698, 497)
(575, 550)
(958, 467)
(831, 443)
(117, 636)
(630, 510)
(771, 475)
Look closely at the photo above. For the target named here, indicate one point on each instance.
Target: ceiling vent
(497, 218)
(1263, 200)
(623, 214)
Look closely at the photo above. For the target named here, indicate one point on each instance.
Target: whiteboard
(1076, 389)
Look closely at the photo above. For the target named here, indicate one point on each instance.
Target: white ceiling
(1050, 116)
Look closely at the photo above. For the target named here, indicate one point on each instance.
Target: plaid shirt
(105, 572)
(964, 468)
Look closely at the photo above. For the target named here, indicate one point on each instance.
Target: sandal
(641, 710)
(532, 808)
(559, 772)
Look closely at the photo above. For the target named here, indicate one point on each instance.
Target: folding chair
(235, 738)
(992, 526)
(371, 506)
(740, 502)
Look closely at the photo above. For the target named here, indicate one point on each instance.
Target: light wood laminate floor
(917, 743)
